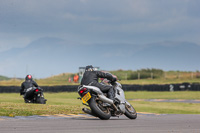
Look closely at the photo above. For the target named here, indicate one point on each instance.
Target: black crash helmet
(89, 68)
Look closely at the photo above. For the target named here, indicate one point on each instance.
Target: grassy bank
(51, 82)
(11, 104)
(170, 77)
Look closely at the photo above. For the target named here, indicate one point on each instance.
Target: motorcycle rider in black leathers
(29, 82)
(91, 77)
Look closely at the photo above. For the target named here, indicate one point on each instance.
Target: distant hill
(3, 78)
(51, 56)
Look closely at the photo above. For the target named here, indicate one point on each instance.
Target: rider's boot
(111, 94)
(26, 100)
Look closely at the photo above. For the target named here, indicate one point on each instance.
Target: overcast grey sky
(98, 21)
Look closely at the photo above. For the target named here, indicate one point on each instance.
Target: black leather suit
(27, 84)
(91, 78)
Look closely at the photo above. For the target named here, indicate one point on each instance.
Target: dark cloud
(97, 22)
(97, 18)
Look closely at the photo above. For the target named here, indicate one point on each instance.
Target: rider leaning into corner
(91, 77)
(29, 82)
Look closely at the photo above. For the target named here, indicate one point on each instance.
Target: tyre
(41, 100)
(130, 112)
(97, 108)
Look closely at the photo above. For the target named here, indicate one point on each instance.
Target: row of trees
(153, 74)
(139, 74)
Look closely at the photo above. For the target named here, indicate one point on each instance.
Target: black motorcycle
(34, 95)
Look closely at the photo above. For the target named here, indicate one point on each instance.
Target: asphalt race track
(145, 123)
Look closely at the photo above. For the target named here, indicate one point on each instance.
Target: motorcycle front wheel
(130, 112)
(98, 109)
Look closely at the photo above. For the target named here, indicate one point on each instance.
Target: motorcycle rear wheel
(130, 112)
(97, 108)
(41, 100)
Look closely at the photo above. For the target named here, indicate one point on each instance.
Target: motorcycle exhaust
(88, 111)
(105, 99)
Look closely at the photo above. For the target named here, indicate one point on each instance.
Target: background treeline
(154, 74)
(139, 74)
(142, 77)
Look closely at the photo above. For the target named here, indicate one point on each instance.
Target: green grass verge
(166, 108)
(163, 95)
(12, 104)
